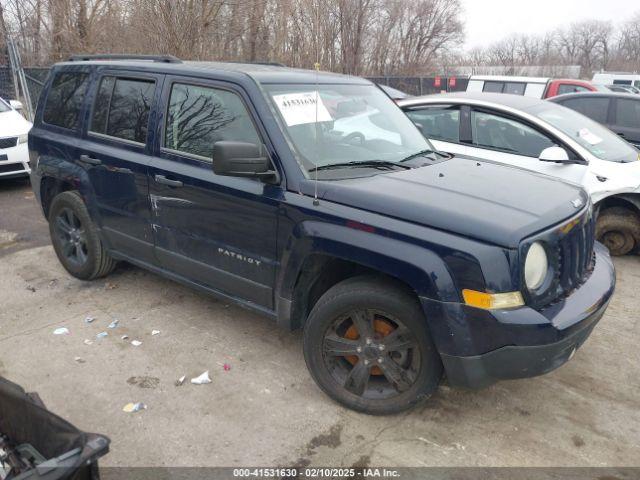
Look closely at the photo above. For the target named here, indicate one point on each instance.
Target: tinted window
(200, 116)
(438, 123)
(508, 135)
(515, 88)
(628, 113)
(594, 108)
(122, 108)
(493, 87)
(64, 100)
(568, 88)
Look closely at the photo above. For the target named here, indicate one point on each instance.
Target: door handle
(90, 160)
(167, 181)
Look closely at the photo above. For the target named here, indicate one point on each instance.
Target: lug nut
(359, 349)
(381, 347)
(380, 360)
(368, 341)
(366, 362)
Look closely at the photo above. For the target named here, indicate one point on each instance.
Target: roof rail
(126, 56)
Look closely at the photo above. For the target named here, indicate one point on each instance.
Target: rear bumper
(480, 347)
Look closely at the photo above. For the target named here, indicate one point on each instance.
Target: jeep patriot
(311, 198)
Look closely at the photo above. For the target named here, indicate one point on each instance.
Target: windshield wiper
(362, 164)
(426, 152)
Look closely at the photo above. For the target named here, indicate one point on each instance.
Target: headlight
(23, 138)
(536, 266)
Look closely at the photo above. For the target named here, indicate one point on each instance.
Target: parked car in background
(394, 93)
(14, 128)
(544, 137)
(537, 87)
(623, 89)
(620, 112)
(396, 261)
(617, 78)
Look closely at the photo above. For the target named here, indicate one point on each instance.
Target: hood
(478, 199)
(13, 124)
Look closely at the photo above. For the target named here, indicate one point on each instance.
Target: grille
(571, 259)
(12, 167)
(8, 142)
(576, 256)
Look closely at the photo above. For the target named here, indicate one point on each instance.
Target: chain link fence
(35, 77)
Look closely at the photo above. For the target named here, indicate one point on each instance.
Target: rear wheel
(367, 346)
(618, 228)
(75, 238)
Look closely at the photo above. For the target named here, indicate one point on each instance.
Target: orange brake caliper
(381, 327)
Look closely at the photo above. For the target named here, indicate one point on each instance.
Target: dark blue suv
(311, 198)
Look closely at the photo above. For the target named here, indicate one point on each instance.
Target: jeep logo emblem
(577, 202)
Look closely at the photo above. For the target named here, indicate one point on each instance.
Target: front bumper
(480, 347)
(14, 161)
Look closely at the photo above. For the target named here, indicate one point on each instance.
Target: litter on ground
(180, 381)
(136, 343)
(226, 367)
(61, 331)
(134, 407)
(125, 337)
(202, 379)
(101, 335)
(155, 332)
(79, 360)
(89, 319)
(88, 342)
(114, 324)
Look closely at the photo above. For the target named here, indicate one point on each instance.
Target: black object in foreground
(37, 444)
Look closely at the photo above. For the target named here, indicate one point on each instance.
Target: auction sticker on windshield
(299, 108)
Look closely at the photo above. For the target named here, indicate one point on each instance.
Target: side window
(64, 100)
(493, 87)
(501, 133)
(514, 88)
(199, 116)
(595, 108)
(122, 107)
(628, 113)
(438, 122)
(568, 88)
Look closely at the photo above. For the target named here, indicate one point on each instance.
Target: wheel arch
(322, 255)
(626, 200)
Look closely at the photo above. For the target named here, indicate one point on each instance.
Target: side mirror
(16, 104)
(555, 154)
(241, 159)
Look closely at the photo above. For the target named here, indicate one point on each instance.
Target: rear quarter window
(64, 100)
(628, 113)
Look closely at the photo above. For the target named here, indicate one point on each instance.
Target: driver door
(505, 139)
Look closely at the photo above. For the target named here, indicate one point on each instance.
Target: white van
(616, 78)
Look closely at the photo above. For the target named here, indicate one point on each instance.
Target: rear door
(626, 119)
(216, 231)
(115, 151)
(440, 124)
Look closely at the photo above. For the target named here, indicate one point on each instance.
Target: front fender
(423, 270)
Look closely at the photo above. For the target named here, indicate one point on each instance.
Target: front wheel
(367, 345)
(619, 229)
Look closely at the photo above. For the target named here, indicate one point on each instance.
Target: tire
(75, 238)
(398, 321)
(618, 228)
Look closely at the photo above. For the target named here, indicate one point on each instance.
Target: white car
(543, 137)
(14, 153)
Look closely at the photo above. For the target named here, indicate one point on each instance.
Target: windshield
(598, 140)
(355, 123)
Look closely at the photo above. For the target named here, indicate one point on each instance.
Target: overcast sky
(490, 20)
